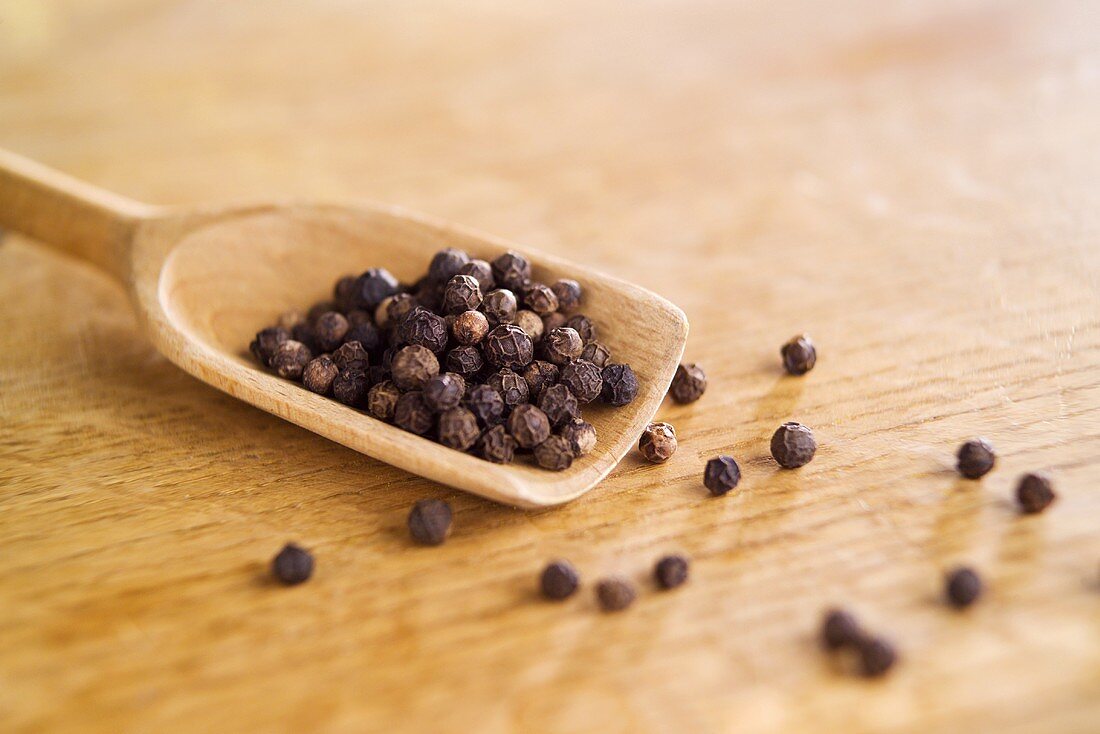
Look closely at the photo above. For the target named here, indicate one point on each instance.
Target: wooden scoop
(204, 281)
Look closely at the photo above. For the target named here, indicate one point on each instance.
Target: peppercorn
(424, 328)
(430, 522)
(304, 334)
(963, 586)
(559, 580)
(318, 310)
(465, 362)
(529, 426)
(562, 345)
(568, 293)
(539, 298)
(688, 384)
(839, 629)
(539, 375)
(351, 356)
(382, 400)
(373, 286)
(581, 436)
(458, 428)
(511, 270)
(290, 360)
(975, 458)
(329, 330)
(446, 263)
(721, 475)
(620, 385)
(499, 307)
(531, 324)
(266, 342)
(429, 294)
(356, 317)
(444, 391)
(413, 366)
(1034, 493)
(470, 327)
(292, 565)
(367, 334)
(596, 353)
(799, 355)
(289, 319)
(658, 442)
(486, 404)
(343, 293)
(508, 346)
(793, 445)
(876, 656)
(512, 387)
(319, 374)
(350, 387)
(496, 445)
(413, 414)
(400, 306)
(583, 326)
(462, 293)
(553, 321)
(482, 272)
(583, 379)
(671, 571)
(615, 593)
(559, 404)
(555, 453)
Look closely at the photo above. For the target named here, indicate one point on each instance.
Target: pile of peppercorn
(475, 355)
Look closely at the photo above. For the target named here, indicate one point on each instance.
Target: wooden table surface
(914, 184)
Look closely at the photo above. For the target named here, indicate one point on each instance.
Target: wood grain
(913, 184)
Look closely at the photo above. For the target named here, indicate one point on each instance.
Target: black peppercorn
(584, 380)
(486, 404)
(350, 387)
(508, 346)
(562, 345)
(351, 356)
(559, 580)
(429, 294)
(839, 629)
(290, 360)
(963, 586)
(499, 307)
(559, 404)
(292, 565)
(465, 361)
(876, 656)
(412, 366)
(357, 317)
(581, 436)
(462, 293)
(596, 353)
(529, 426)
(512, 387)
(317, 310)
(539, 375)
(470, 327)
(413, 414)
(496, 445)
(430, 522)
(343, 293)
(553, 321)
(793, 445)
(539, 298)
(373, 286)
(658, 442)
(319, 374)
(266, 342)
(367, 334)
(975, 458)
(568, 293)
(511, 270)
(446, 263)
(620, 386)
(799, 355)
(1034, 492)
(530, 322)
(671, 571)
(688, 384)
(329, 330)
(555, 453)
(458, 428)
(615, 593)
(304, 333)
(444, 392)
(482, 272)
(424, 328)
(583, 326)
(382, 400)
(721, 475)
(399, 306)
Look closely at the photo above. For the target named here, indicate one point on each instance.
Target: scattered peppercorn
(413, 366)
(539, 298)
(581, 436)
(496, 445)
(568, 293)
(508, 345)
(620, 385)
(584, 380)
(292, 565)
(373, 286)
(480, 271)
(596, 353)
(470, 327)
(671, 571)
(540, 375)
(555, 453)
(562, 345)
(793, 445)
(351, 356)
(529, 426)
(413, 414)
(1035, 492)
(963, 587)
(615, 593)
(530, 322)
(511, 386)
(424, 328)
(839, 629)
(329, 330)
(976, 458)
(366, 333)
(559, 580)
(559, 404)
(458, 428)
(486, 404)
(461, 294)
(446, 263)
(343, 293)
(688, 384)
(658, 442)
(799, 355)
(584, 326)
(430, 522)
(876, 655)
(290, 360)
(553, 321)
(465, 361)
(511, 270)
(721, 475)
(266, 342)
(382, 400)
(499, 306)
(444, 392)
(319, 375)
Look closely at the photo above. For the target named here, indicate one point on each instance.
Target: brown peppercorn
(539, 375)
(620, 385)
(511, 386)
(486, 404)
(292, 565)
(975, 458)
(367, 335)
(304, 333)
(568, 293)
(329, 330)
(511, 270)
(839, 629)
(1034, 493)
(793, 445)
(581, 436)
(658, 442)
(382, 400)
(688, 384)
(430, 522)
(400, 306)
(373, 286)
(496, 445)
(266, 342)
(458, 429)
(615, 593)
(721, 475)
(351, 356)
(584, 380)
(559, 404)
(799, 355)
(539, 298)
(531, 324)
(429, 294)
(356, 317)
(596, 353)
(529, 426)
(290, 360)
(962, 586)
(318, 310)
(482, 272)
(671, 571)
(444, 391)
(555, 453)
(465, 362)
(562, 345)
(470, 327)
(559, 580)
(424, 328)
(319, 374)
(876, 656)
(413, 414)
(508, 346)
(583, 326)
(343, 293)
(413, 366)
(289, 319)
(553, 321)
(446, 263)
(350, 387)
(499, 307)
(462, 293)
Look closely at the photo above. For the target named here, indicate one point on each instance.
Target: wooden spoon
(204, 281)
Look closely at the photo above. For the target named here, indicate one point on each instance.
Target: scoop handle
(68, 215)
